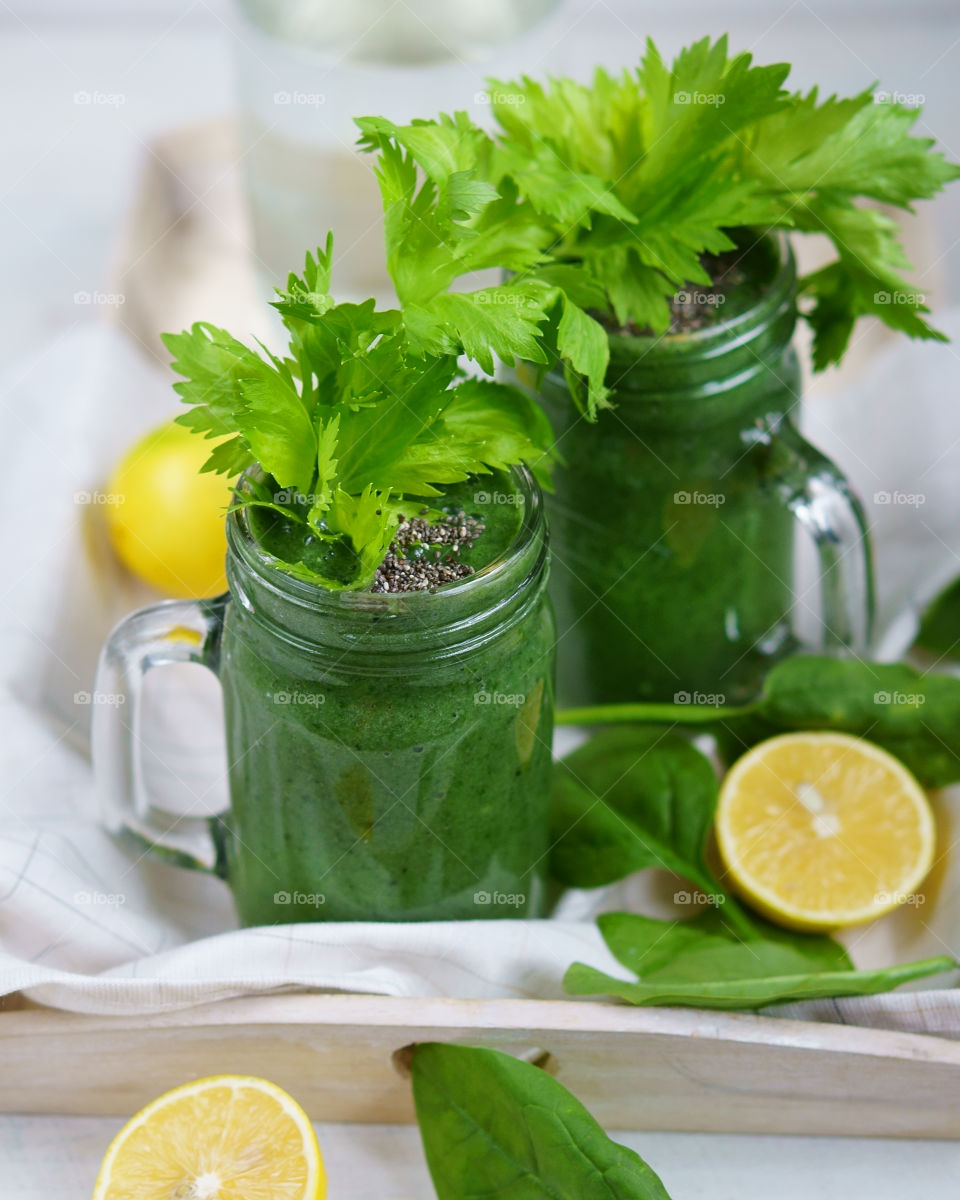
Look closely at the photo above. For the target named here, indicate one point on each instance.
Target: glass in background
(306, 68)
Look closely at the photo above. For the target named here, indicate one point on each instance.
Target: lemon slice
(822, 830)
(231, 1137)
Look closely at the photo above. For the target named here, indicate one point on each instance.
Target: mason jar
(389, 753)
(676, 562)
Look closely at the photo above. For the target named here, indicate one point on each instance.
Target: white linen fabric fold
(522, 959)
(87, 925)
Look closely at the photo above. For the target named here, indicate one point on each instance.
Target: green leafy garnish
(633, 798)
(706, 963)
(613, 191)
(914, 715)
(352, 424)
(441, 222)
(492, 1125)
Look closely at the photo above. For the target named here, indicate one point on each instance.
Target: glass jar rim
(454, 619)
(241, 540)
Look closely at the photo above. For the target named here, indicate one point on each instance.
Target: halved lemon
(230, 1137)
(820, 831)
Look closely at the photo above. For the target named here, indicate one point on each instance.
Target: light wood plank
(641, 1068)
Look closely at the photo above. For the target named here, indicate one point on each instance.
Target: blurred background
(146, 143)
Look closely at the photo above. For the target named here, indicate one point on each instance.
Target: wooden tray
(634, 1068)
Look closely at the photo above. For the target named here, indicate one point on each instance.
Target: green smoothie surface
(490, 505)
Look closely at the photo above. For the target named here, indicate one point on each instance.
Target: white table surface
(65, 178)
(56, 1158)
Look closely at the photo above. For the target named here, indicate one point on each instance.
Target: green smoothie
(673, 550)
(390, 753)
(674, 520)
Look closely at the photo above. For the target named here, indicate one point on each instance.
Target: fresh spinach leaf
(629, 799)
(709, 947)
(494, 1126)
(706, 963)
(939, 631)
(914, 715)
(581, 980)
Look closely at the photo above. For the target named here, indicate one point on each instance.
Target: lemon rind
(316, 1175)
(772, 905)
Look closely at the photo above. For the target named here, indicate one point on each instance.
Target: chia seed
(424, 554)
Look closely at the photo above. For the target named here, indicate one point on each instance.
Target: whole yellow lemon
(166, 522)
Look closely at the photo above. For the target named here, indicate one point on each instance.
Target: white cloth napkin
(85, 925)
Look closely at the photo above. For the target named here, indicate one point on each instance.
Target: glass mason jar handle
(819, 496)
(175, 631)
